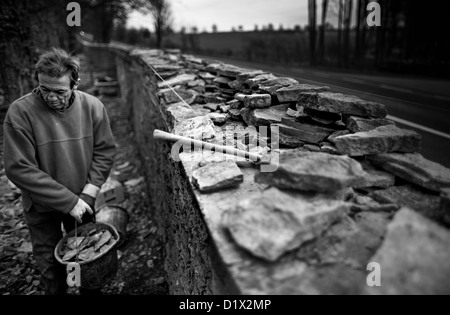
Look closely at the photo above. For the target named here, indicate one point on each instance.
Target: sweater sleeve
(104, 150)
(22, 169)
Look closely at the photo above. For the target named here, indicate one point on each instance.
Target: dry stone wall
(349, 188)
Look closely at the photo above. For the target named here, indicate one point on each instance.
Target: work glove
(89, 200)
(89, 195)
(80, 209)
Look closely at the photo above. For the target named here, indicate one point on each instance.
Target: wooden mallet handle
(169, 137)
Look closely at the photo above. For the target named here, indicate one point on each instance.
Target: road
(414, 103)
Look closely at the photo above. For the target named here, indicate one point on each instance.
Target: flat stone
(166, 68)
(196, 83)
(345, 248)
(170, 96)
(193, 59)
(336, 134)
(207, 76)
(199, 128)
(218, 118)
(217, 176)
(222, 81)
(271, 86)
(292, 93)
(324, 118)
(365, 203)
(284, 140)
(230, 70)
(235, 104)
(264, 116)
(329, 149)
(242, 77)
(258, 101)
(359, 124)
(311, 147)
(304, 131)
(413, 258)
(383, 139)
(235, 114)
(376, 178)
(224, 108)
(178, 80)
(212, 106)
(271, 223)
(292, 113)
(308, 171)
(415, 169)
(213, 67)
(342, 104)
(213, 98)
(408, 196)
(254, 82)
(180, 112)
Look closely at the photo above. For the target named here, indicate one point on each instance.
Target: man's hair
(57, 63)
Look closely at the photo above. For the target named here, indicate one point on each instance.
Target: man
(59, 150)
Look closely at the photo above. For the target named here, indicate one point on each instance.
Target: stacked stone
(300, 116)
(343, 170)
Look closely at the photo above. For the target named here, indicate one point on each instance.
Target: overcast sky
(231, 13)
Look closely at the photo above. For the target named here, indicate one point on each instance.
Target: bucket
(116, 216)
(99, 271)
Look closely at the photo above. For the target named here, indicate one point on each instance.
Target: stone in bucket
(115, 215)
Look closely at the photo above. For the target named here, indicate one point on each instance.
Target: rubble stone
(199, 128)
(408, 196)
(264, 116)
(292, 93)
(271, 86)
(270, 223)
(415, 169)
(306, 132)
(255, 100)
(308, 171)
(359, 124)
(218, 118)
(376, 178)
(380, 140)
(216, 176)
(178, 80)
(324, 118)
(413, 258)
(255, 81)
(342, 104)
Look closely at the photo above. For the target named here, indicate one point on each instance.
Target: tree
(347, 23)
(214, 28)
(256, 28)
(312, 10)
(162, 15)
(322, 31)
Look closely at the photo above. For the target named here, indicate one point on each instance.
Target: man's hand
(89, 200)
(80, 208)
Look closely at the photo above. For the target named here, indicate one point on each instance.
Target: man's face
(55, 91)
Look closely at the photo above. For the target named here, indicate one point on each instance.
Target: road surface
(415, 103)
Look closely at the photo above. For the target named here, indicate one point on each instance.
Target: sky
(231, 13)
